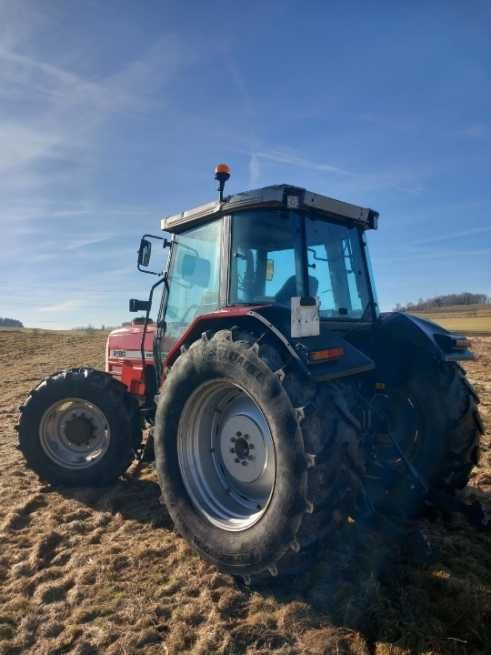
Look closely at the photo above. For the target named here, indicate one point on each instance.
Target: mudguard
(424, 336)
(276, 320)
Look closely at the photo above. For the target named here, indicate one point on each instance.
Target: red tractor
(281, 401)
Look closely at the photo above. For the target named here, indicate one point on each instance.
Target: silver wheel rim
(74, 433)
(226, 455)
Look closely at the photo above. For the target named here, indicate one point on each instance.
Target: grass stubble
(101, 571)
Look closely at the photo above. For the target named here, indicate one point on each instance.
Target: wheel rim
(226, 455)
(74, 433)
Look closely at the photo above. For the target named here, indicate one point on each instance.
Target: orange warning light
(222, 169)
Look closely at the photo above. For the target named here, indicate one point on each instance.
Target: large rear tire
(440, 405)
(79, 427)
(256, 463)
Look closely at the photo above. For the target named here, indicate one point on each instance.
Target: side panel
(123, 356)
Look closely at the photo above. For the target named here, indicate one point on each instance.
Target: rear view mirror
(144, 252)
(139, 305)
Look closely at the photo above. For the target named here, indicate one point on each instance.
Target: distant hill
(10, 322)
(450, 300)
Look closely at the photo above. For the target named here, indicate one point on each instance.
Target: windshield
(267, 262)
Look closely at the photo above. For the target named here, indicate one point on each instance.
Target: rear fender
(352, 362)
(403, 340)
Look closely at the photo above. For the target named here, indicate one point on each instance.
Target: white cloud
(22, 144)
(283, 157)
(254, 171)
(347, 181)
(65, 306)
(77, 244)
(454, 235)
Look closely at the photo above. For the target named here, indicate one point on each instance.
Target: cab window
(194, 278)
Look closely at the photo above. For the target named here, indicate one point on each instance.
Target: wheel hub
(226, 455)
(74, 433)
(79, 430)
(243, 449)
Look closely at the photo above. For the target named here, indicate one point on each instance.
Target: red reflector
(326, 355)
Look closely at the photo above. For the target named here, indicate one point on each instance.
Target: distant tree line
(464, 298)
(92, 328)
(10, 322)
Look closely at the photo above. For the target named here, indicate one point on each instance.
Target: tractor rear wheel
(79, 427)
(256, 463)
(435, 420)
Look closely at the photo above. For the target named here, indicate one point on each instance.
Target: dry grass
(468, 319)
(101, 571)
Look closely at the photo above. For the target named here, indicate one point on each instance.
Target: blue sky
(113, 114)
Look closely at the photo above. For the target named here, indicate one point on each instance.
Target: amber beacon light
(222, 174)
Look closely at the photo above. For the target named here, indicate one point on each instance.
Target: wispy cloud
(78, 244)
(61, 112)
(282, 157)
(472, 231)
(458, 255)
(348, 180)
(65, 306)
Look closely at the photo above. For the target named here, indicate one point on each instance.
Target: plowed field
(101, 571)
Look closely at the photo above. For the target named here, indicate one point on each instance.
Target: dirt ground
(87, 571)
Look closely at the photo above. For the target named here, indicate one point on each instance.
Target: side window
(263, 263)
(194, 279)
(335, 262)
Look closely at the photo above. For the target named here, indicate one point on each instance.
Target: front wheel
(79, 427)
(254, 461)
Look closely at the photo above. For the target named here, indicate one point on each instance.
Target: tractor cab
(298, 257)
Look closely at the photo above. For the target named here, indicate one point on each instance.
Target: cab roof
(281, 195)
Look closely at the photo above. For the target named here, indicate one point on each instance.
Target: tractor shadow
(135, 497)
(409, 589)
(423, 588)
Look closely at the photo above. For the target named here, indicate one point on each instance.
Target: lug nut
(237, 460)
(232, 450)
(244, 463)
(233, 439)
(251, 446)
(239, 434)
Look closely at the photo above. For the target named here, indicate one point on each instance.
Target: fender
(423, 336)
(276, 320)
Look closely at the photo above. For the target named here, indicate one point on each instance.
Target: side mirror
(140, 305)
(144, 252)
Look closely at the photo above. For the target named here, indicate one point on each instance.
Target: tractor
(282, 403)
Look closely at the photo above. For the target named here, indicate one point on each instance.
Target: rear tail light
(326, 355)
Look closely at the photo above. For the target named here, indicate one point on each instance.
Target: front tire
(260, 516)
(79, 427)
